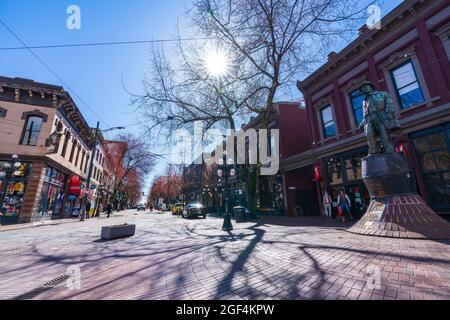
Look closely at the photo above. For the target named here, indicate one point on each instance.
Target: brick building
(409, 58)
(281, 193)
(42, 125)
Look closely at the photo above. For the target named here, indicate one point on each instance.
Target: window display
(432, 148)
(52, 194)
(12, 188)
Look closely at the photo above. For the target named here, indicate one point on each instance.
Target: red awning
(74, 186)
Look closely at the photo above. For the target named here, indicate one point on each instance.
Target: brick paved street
(173, 258)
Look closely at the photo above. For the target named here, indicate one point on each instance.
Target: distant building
(282, 193)
(409, 58)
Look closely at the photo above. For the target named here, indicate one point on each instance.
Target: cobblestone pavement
(174, 258)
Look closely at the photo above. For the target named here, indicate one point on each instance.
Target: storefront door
(344, 172)
(52, 195)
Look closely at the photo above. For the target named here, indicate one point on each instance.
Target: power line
(51, 71)
(113, 43)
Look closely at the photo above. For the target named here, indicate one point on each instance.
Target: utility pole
(88, 181)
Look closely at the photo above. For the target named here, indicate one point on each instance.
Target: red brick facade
(414, 39)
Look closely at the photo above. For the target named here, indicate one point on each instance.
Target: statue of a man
(379, 118)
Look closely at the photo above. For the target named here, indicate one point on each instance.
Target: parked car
(194, 210)
(177, 208)
(141, 207)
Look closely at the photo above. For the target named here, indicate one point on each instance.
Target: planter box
(118, 231)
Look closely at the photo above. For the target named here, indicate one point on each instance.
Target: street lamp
(91, 167)
(218, 66)
(227, 225)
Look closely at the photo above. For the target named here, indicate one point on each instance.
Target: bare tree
(130, 161)
(268, 44)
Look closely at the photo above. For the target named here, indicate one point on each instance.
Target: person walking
(327, 204)
(88, 209)
(344, 205)
(108, 209)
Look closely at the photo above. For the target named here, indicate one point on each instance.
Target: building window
(329, 128)
(66, 142)
(86, 163)
(82, 159)
(72, 152)
(356, 100)
(407, 86)
(433, 154)
(32, 130)
(78, 156)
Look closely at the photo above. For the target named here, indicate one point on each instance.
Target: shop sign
(75, 186)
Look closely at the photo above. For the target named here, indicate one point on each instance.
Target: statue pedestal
(396, 210)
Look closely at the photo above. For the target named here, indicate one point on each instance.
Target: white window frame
(348, 89)
(319, 107)
(396, 60)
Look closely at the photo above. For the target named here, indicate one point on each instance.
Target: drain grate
(44, 288)
(57, 281)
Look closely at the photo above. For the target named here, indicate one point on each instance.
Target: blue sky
(94, 73)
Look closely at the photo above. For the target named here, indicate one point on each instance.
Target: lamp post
(91, 167)
(218, 65)
(9, 170)
(227, 225)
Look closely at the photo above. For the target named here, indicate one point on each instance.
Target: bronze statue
(379, 118)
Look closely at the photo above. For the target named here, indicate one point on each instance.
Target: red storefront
(73, 201)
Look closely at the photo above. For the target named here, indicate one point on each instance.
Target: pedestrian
(88, 209)
(108, 209)
(327, 204)
(344, 204)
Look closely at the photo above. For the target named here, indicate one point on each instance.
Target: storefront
(270, 195)
(12, 191)
(432, 152)
(72, 205)
(344, 172)
(53, 194)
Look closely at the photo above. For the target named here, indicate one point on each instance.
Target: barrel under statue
(396, 209)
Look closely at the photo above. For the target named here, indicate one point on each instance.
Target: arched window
(32, 130)
(82, 159)
(72, 152)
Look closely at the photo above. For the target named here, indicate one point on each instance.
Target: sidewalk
(51, 222)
